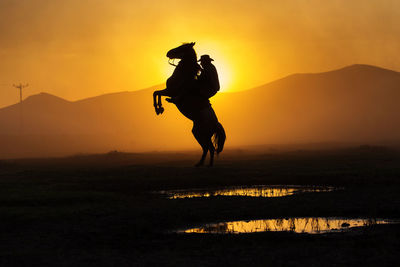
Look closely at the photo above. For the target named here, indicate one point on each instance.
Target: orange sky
(76, 49)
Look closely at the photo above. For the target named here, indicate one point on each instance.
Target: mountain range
(357, 104)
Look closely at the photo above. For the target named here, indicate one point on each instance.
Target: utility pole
(20, 87)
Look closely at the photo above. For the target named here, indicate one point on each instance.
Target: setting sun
(224, 74)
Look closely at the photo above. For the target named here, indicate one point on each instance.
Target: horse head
(183, 52)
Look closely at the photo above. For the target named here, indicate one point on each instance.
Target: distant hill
(358, 103)
(353, 104)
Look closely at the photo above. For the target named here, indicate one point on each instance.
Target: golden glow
(254, 191)
(221, 61)
(298, 225)
(226, 79)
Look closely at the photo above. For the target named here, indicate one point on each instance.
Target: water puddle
(248, 191)
(311, 225)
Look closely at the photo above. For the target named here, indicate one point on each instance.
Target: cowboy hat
(205, 58)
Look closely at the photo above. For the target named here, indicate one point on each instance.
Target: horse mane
(190, 59)
(191, 55)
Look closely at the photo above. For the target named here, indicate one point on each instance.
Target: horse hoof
(199, 164)
(159, 110)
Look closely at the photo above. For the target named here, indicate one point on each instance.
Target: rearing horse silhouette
(184, 91)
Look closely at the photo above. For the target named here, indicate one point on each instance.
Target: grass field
(101, 210)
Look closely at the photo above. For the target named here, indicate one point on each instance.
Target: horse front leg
(160, 107)
(157, 102)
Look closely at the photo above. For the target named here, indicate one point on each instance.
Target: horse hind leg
(206, 145)
(200, 139)
(203, 157)
(212, 150)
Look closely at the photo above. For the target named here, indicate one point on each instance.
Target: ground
(101, 210)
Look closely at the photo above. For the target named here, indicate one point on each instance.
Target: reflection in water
(253, 191)
(312, 225)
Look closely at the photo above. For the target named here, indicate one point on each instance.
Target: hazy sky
(81, 48)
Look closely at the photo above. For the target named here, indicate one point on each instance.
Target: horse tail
(219, 138)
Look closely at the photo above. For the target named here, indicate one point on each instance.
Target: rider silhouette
(208, 79)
